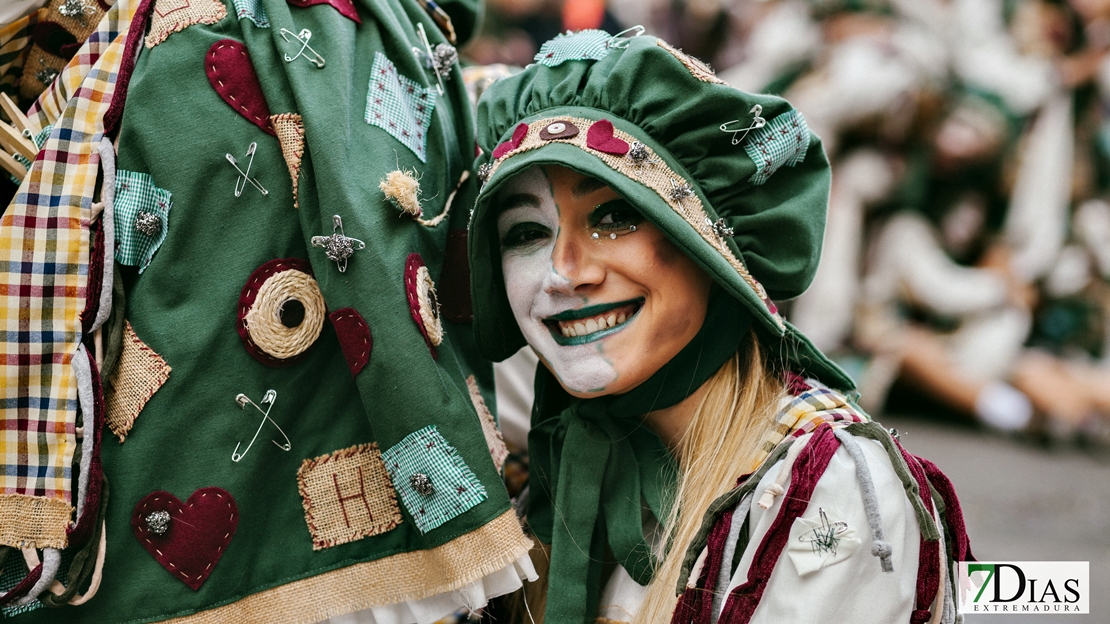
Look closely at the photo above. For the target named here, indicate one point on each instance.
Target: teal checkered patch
(142, 213)
(400, 106)
(252, 10)
(782, 142)
(14, 572)
(584, 45)
(434, 482)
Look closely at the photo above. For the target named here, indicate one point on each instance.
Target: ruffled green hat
(736, 180)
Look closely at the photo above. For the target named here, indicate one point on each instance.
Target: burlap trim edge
(33, 521)
(374, 583)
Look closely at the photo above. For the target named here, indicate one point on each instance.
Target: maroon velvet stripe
(96, 280)
(953, 514)
(928, 563)
(135, 35)
(23, 587)
(713, 562)
(83, 530)
(808, 468)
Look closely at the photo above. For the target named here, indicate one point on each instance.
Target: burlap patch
(290, 133)
(404, 576)
(138, 375)
(171, 16)
(347, 495)
(494, 439)
(698, 68)
(33, 521)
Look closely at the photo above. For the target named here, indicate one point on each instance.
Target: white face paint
(537, 291)
(599, 292)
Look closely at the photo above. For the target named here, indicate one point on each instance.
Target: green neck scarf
(593, 460)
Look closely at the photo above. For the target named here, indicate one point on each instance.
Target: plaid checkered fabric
(135, 194)
(454, 488)
(802, 414)
(400, 106)
(49, 106)
(782, 142)
(579, 46)
(252, 10)
(14, 39)
(44, 253)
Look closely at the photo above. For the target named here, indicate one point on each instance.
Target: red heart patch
(513, 143)
(600, 137)
(346, 8)
(231, 73)
(195, 536)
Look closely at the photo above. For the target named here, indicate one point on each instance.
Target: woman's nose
(576, 263)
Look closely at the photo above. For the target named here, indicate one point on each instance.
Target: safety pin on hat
(620, 41)
(439, 59)
(338, 247)
(303, 38)
(757, 123)
(244, 176)
(268, 400)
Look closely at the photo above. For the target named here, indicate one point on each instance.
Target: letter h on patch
(347, 496)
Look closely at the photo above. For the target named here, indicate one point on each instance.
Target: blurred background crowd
(967, 253)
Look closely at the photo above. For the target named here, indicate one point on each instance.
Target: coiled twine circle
(273, 287)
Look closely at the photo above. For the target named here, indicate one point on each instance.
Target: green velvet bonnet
(737, 181)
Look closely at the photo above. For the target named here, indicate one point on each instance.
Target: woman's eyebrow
(518, 200)
(586, 186)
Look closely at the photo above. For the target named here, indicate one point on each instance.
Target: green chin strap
(594, 460)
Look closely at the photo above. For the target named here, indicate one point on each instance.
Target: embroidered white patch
(820, 541)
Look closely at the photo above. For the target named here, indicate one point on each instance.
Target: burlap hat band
(649, 183)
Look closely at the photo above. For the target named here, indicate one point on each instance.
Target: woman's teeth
(580, 327)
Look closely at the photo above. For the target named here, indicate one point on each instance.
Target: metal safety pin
(268, 400)
(619, 41)
(303, 38)
(244, 176)
(431, 60)
(757, 123)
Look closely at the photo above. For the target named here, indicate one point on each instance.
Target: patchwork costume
(837, 521)
(242, 249)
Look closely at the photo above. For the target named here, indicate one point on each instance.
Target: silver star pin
(338, 247)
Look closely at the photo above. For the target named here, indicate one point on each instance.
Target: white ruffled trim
(473, 596)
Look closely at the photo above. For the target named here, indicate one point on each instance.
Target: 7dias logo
(1016, 587)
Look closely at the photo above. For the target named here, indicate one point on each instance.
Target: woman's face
(601, 294)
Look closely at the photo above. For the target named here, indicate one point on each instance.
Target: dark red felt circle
(246, 300)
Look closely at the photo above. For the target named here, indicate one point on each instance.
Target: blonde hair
(721, 443)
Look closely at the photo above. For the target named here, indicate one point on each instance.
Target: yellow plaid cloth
(44, 255)
(810, 404)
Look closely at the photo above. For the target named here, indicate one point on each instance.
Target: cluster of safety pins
(439, 60)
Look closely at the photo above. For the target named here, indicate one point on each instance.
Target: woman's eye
(524, 235)
(613, 215)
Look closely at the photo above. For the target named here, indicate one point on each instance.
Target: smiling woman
(693, 458)
(586, 278)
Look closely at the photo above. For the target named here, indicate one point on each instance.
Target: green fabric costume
(196, 245)
(747, 205)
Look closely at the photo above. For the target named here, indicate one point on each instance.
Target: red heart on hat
(600, 137)
(194, 538)
(513, 143)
